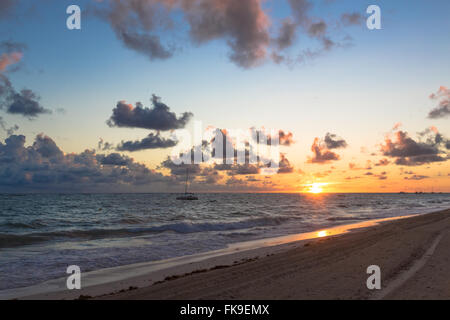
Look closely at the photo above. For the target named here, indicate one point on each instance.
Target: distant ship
(187, 196)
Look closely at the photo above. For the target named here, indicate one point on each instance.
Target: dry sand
(413, 255)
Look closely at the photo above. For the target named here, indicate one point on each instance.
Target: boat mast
(187, 177)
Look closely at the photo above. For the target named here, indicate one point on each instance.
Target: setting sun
(316, 187)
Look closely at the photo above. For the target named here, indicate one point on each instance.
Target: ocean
(42, 234)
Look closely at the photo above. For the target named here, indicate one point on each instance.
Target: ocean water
(42, 234)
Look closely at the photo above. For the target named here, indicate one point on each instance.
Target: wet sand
(412, 253)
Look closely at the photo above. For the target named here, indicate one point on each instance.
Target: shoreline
(412, 255)
(111, 281)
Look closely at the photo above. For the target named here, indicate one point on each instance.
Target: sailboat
(187, 196)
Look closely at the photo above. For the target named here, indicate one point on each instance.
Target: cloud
(104, 146)
(6, 7)
(152, 141)
(443, 108)
(7, 59)
(9, 131)
(332, 142)
(284, 165)
(352, 178)
(219, 164)
(321, 154)
(44, 167)
(235, 181)
(382, 162)
(157, 118)
(244, 169)
(285, 138)
(416, 177)
(300, 10)
(244, 26)
(350, 19)
(382, 175)
(25, 102)
(354, 166)
(45, 146)
(11, 54)
(143, 43)
(134, 22)
(181, 169)
(114, 159)
(10, 46)
(409, 152)
(287, 34)
(317, 29)
(322, 149)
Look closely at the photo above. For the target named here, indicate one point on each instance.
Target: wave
(24, 225)
(348, 218)
(11, 240)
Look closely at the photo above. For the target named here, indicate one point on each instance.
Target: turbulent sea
(42, 234)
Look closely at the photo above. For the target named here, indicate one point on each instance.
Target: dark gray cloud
(47, 148)
(25, 102)
(443, 108)
(333, 142)
(157, 118)
(104, 145)
(152, 141)
(114, 159)
(409, 152)
(44, 167)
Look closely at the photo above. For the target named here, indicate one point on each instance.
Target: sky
(96, 109)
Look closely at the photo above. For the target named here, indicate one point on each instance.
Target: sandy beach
(411, 253)
(331, 268)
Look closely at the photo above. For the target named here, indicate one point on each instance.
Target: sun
(316, 187)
